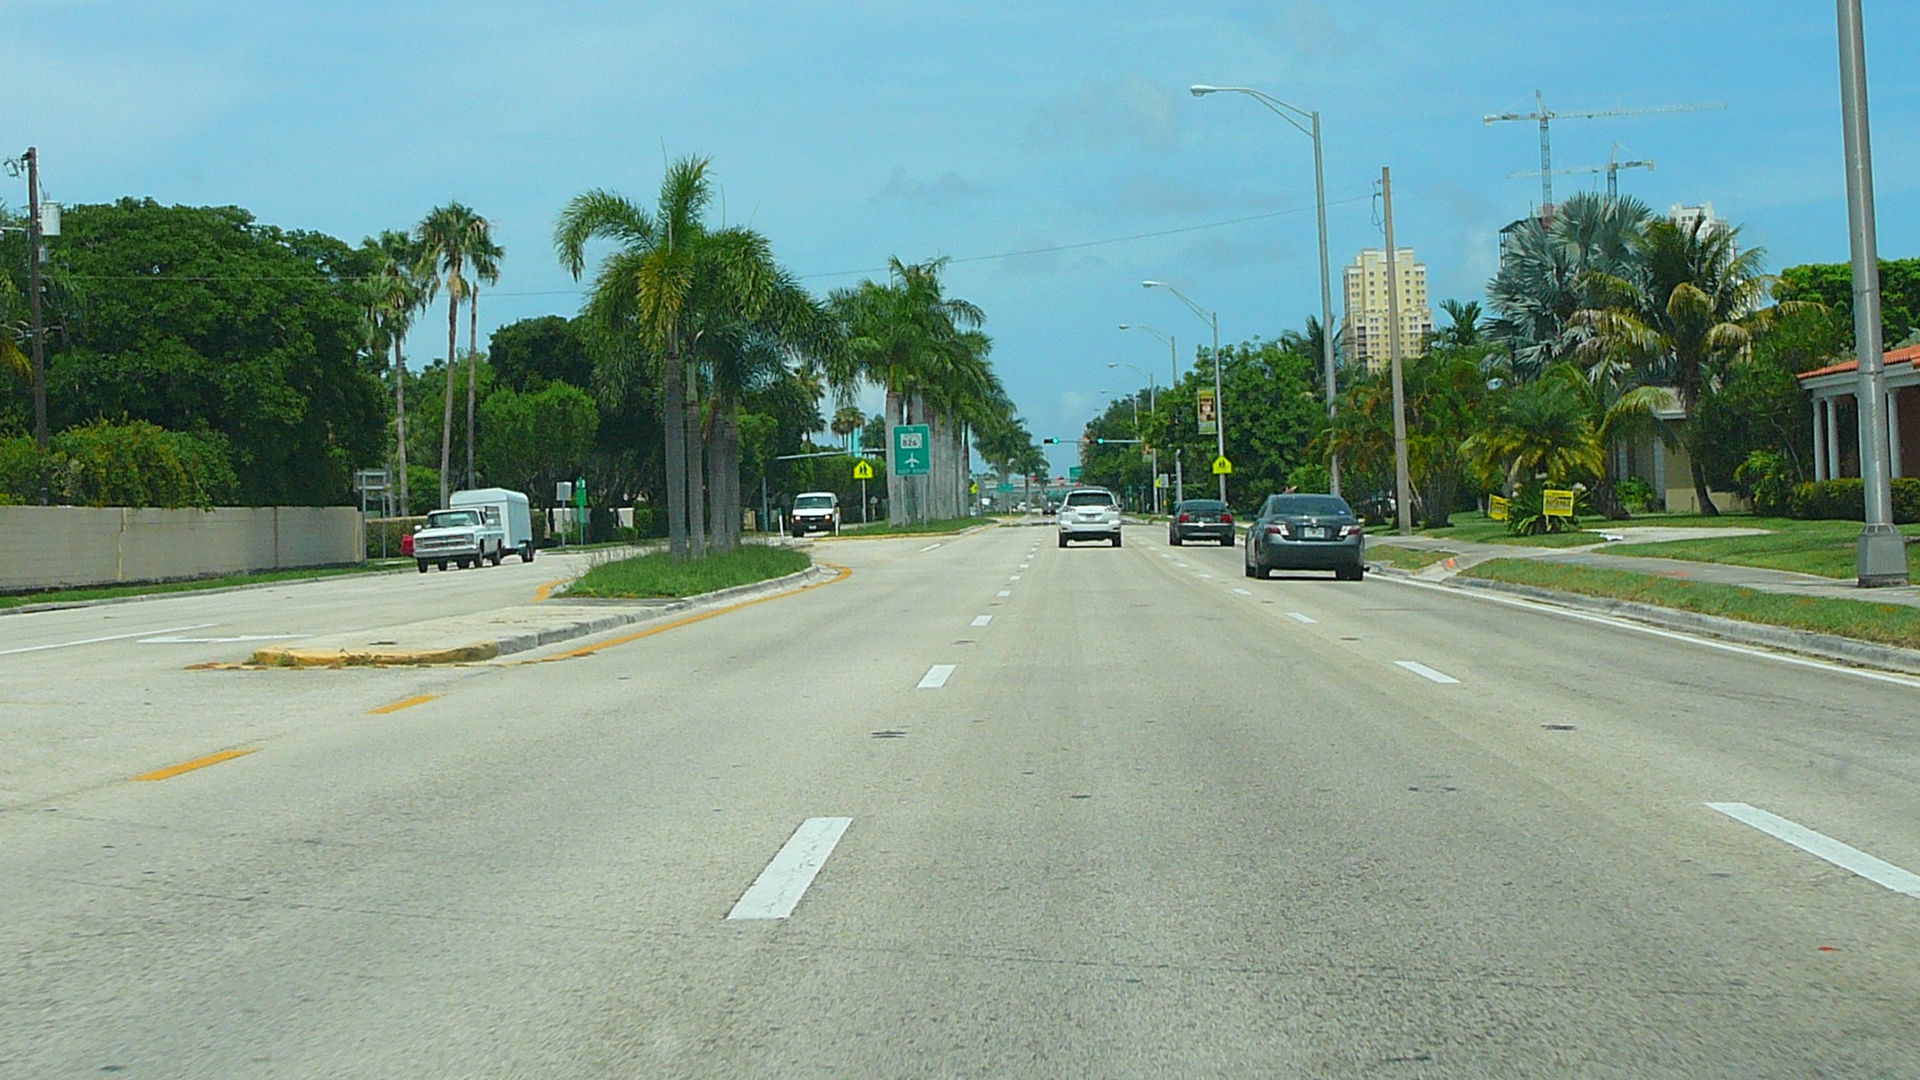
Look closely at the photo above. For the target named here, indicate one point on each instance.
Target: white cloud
(1128, 113)
(943, 192)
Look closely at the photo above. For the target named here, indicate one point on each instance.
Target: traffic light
(1050, 442)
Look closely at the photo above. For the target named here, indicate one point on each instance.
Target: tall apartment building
(1702, 215)
(1366, 289)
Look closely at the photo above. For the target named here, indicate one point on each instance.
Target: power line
(1051, 249)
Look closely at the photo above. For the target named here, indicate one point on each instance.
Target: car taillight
(1226, 519)
(1278, 528)
(1349, 530)
(1184, 518)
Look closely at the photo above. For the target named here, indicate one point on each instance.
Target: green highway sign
(1004, 489)
(1073, 473)
(912, 450)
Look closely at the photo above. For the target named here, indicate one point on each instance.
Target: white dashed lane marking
(1004, 593)
(936, 677)
(1244, 592)
(1844, 856)
(929, 547)
(982, 620)
(1426, 672)
(1299, 618)
(778, 889)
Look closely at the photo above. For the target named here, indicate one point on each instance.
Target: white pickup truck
(461, 536)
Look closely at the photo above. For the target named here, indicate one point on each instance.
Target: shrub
(1310, 476)
(1526, 513)
(1768, 478)
(1636, 494)
(1846, 500)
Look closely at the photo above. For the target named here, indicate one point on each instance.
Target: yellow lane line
(406, 703)
(546, 590)
(196, 763)
(589, 650)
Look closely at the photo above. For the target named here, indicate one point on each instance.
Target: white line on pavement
(929, 547)
(1426, 672)
(1673, 635)
(982, 620)
(1299, 618)
(109, 637)
(1844, 856)
(936, 677)
(1244, 592)
(1003, 593)
(214, 640)
(1206, 575)
(1015, 577)
(778, 889)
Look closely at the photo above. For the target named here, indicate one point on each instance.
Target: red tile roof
(1909, 355)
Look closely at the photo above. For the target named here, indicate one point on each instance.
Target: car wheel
(1226, 541)
(423, 565)
(442, 564)
(1246, 568)
(526, 551)
(1063, 539)
(1116, 539)
(1351, 573)
(1174, 539)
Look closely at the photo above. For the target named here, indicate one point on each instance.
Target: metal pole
(1402, 494)
(1881, 551)
(39, 328)
(1326, 299)
(1219, 403)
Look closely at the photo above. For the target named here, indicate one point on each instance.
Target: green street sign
(912, 450)
(1004, 489)
(580, 493)
(1073, 473)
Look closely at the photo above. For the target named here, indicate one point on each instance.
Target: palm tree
(1685, 311)
(846, 420)
(702, 301)
(485, 260)
(1464, 327)
(911, 338)
(1539, 427)
(1539, 286)
(448, 237)
(388, 298)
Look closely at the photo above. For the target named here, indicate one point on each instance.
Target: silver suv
(1090, 514)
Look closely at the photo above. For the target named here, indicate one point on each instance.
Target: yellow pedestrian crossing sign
(863, 470)
(1222, 467)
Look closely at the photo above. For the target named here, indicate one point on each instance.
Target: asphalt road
(1150, 818)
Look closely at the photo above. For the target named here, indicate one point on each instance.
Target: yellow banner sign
(1555, 503)
(1497, 508)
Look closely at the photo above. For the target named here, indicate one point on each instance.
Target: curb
(1832, 647)
(636, 611)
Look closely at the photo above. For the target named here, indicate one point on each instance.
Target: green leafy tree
(528, 354)
(529, 441)
(1541, 282)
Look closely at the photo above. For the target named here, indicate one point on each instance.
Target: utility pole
(1219, 403)
(39, 330)
(1402, 495)
(1881, 552)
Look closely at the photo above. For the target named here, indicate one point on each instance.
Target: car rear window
(1324, 505)
(1089, 498)
(1203, 506)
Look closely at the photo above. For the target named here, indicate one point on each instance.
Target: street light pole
(1402, 493)
(1881, 553)
(1219, 404)
(1281, 109)
(1173, 379)
(39, 329)
(1153, 454)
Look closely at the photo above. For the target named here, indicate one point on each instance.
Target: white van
(508, 509)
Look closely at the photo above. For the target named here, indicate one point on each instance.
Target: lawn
(225, 581)
(1825, 548)
(1406, 558)
(1891, 624)
(656, 575)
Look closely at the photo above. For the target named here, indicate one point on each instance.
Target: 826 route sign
(911, 454)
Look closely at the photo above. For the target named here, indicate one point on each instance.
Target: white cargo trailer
(509, 508)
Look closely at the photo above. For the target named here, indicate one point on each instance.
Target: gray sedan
(1200, 519)
(1306, 532)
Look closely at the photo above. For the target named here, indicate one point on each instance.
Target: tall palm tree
(389, 297)
(1464, 327)
(909, 337)
(485, 260)
(448, 237)
(1685, 311)
(846, 420)
(701, 300)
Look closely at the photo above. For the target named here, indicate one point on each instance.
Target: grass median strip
(656, 575)
(941, 527)
(1888, 624)
(1826, 548)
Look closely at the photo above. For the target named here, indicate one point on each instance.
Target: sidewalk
(1783, 582)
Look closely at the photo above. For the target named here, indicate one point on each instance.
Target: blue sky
(853, 131)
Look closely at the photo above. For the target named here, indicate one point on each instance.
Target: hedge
(1846, 500)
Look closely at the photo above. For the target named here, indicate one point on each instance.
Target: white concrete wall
(44, 547)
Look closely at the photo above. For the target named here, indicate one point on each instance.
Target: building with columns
(1836, 415)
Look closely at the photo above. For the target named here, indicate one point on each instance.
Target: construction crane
(1611, 168)
(1544, 116)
